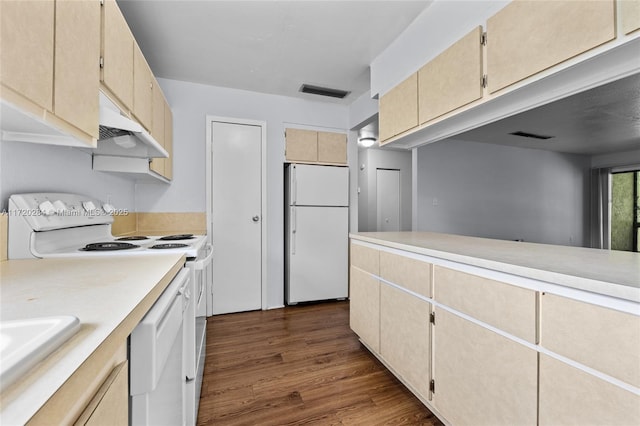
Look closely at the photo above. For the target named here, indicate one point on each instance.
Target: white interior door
(388, 200)
(236, 218)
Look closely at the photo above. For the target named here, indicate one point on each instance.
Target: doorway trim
(210, 119)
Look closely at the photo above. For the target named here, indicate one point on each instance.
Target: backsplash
(160, 223)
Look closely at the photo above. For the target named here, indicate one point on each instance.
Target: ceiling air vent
(530, 135)
(323, 91)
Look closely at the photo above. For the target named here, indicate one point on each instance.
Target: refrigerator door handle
(294, 185)
(293, 230)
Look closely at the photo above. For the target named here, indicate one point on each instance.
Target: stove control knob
(46, 208)
(108, 208)
(88, 206)
(60, 206)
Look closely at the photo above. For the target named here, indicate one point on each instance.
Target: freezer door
(318, 254)
(312, 185)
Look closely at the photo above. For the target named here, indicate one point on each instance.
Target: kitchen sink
(25, 342)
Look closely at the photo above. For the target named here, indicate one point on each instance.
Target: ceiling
(601, 120)
(268, 46)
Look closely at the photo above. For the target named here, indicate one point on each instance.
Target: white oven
(45, 225)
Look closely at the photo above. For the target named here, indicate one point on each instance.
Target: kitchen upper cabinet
(158, 128)
(77, 59)
(398, 109)
(504, 306)
(451, 80)
(573, 329)
(310, 146)
(481, 377)
(629, 15)
(301, 145)
(117, 55)
(527, 37)
(27, 49)
(405, 338)
(332, 147)
(142, 90)
(569, 396)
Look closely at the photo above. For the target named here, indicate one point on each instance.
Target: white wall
(373, 159)
(503, 192)
(27, 167)
(435, 29)
(191, 103)
(627, 158)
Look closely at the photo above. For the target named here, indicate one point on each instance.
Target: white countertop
(101, 292)
(607, 272)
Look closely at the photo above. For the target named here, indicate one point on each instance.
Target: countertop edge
(580, 283)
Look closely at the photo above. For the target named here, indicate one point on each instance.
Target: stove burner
(177, 237)
(168, 246)
(110, 246)
(133, 238)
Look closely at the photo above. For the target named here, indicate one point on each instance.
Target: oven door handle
(201, 264)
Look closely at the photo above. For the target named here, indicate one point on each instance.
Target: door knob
(255, 218)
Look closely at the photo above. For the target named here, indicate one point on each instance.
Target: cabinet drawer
(364, 309)
(365, 258)
(507, 307)
(571, 396)
(110, 405)
(412, 274)
(601, 338)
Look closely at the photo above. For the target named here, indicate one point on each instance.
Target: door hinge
(432, 386)
(484, 81)
(101, 62)
(432, 318)
(483, 38)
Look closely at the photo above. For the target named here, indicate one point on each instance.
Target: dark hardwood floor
(299, 365)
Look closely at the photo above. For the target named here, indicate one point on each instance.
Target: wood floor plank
(299, 365)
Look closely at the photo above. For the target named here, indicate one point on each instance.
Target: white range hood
(121, 136)
(136, 168)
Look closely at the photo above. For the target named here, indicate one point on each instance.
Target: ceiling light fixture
(366, 142)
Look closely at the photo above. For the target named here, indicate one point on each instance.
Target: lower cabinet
(481, 377)
(110, 405)
(569, 396)
(405, 337)
(364, 309)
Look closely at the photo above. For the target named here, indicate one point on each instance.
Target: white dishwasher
(156, 371)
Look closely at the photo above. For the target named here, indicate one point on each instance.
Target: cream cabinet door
(527, 37)
(405, 338)
(452, 79)
(142, 90)
(77, 64)
(629, 15)
(118, 42)
(301, 145)
(26, 49)
(569, 396)
(364, 307)
(332, 147)
(399, 109)
(110, 405)
(481, 377)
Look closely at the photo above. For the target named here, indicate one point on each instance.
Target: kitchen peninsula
(501, 332)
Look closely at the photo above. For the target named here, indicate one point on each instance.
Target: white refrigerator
(317, 232)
